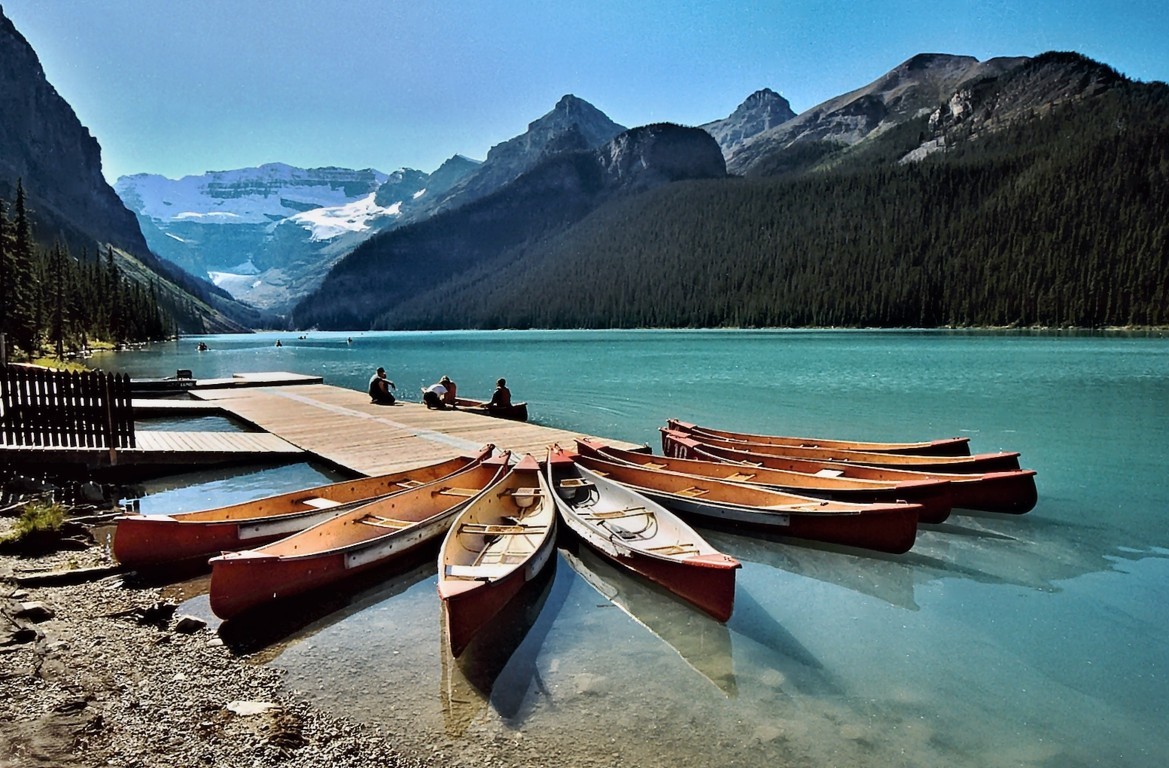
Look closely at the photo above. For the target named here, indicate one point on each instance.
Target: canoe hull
(243, 581)
(514, 412)
(1010, 492)
(952, 446)
(146, 541)
(151, 540)
(479, 572)
(978, 463)
(933, 496)
(706, 578)
(888, 528)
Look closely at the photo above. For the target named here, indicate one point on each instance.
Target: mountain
(909, 90)
(43, 144)
(573, 124)
(58, 162)
(449, 253)
(762, 111)
(1030, 194)
(269, 235)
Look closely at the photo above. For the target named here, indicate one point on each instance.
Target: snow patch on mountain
(329, 222)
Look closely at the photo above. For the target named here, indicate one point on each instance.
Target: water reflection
(703, 643)
(271, 627)
(499, 666)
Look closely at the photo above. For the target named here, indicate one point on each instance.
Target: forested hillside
(1059, 216)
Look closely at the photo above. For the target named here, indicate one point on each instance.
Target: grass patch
(37, 517)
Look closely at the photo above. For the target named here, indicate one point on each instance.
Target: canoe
(934, 496)
(1012, 492)
(497, 544)
(155, 540)
(980, 462)
(888, 527)
(638, 534)
(950, 446)
(368, 536)
(515, 411)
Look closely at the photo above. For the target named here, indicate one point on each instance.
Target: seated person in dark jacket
(501, 398)
(379, 388)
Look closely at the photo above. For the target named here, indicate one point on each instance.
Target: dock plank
(343, 427)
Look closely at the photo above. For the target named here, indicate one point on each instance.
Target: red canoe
(498, 543)
(888, 527)
(934, 496)
(642, 536)
(950, 446)
(368, 536)
(156, 540)
(1012, 492)
(982, 462)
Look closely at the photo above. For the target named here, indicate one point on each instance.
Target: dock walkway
(342, 427)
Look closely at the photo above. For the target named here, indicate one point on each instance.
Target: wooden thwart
(500, 530)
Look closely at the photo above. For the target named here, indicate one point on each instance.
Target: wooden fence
(43, 409)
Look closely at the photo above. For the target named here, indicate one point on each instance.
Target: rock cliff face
(915, 87)
(653, 155)
(43, 144)
(763, 110)
(573, 124)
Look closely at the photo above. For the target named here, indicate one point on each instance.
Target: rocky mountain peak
(761, 111)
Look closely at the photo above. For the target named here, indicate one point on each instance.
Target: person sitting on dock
(501, 397)
(449, 398)
(435, 396)
(379, 388)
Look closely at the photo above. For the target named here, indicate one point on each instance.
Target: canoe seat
(408, 483)
(450, 491)
(500, 530)
(485, 572)
(830, 473)
(615, 514)
(385, 522)
(693, 491)
(575, 482)
(652, 465)
(675, 549)
(740, 477)
(316, 502)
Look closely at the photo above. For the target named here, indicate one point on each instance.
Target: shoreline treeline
(51, 299)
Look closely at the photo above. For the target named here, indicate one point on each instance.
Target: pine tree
(23, 305)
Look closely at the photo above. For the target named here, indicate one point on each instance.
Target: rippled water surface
(1036, 640)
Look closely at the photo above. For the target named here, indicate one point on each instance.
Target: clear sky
(180, 87)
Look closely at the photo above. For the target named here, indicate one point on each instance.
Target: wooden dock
(295, 417)
(342, 427)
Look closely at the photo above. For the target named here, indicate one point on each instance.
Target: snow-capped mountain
(266, 234)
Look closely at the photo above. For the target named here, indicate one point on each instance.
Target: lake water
(1033, 640)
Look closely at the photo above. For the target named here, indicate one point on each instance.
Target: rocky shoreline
(98, 671)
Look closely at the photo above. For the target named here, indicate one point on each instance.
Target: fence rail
(41, 408)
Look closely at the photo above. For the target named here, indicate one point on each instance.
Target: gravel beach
(98, 671)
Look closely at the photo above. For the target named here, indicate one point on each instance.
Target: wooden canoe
(498, 543)
(888, 527)
(934, 496)
(156, 540)
(950, 446)
(638, 534)
(1012, 492)
(981, 462)
(365, 537)
(514, 412)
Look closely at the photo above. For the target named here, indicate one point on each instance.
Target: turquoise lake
(1032, 640)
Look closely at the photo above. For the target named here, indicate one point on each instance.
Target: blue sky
(180, 87)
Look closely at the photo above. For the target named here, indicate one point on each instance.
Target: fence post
(111, 434)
